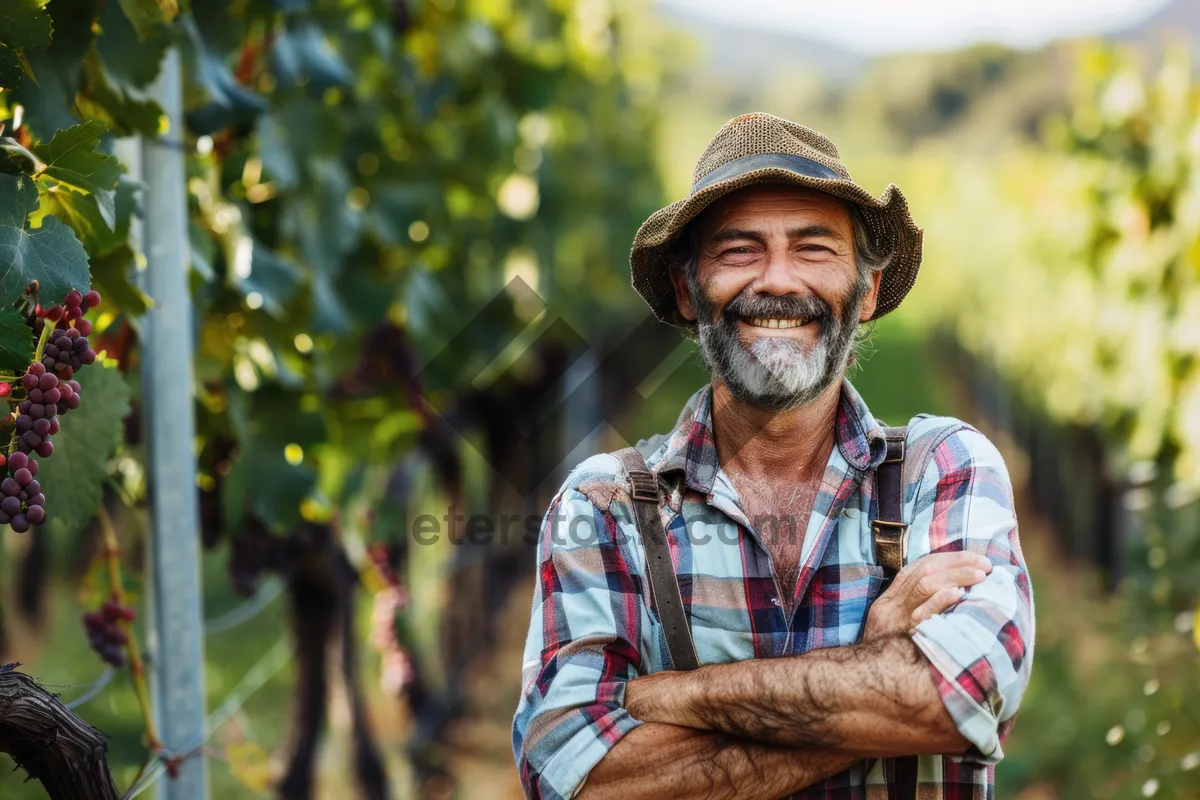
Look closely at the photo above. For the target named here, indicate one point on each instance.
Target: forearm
(676, 763)
(875, 699)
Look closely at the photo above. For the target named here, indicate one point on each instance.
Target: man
(813, 677)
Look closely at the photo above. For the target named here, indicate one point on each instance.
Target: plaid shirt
(592, 628)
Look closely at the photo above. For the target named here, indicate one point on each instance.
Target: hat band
(740, 166)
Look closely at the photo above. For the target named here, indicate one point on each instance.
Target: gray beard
(776, 373)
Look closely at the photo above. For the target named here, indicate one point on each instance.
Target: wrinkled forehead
(767, 205)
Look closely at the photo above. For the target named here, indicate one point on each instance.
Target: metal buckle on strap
(898, 529)
(644, 486)
(899, 444)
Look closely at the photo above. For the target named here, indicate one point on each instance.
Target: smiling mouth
(771, 322)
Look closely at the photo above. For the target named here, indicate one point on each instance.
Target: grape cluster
(104, 631)
(70, 312)
(50, 391)
(22, 504)
(37, 414)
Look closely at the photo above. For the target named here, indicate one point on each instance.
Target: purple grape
(33, 487)
(30, 439)
(24, 406)
(9, 487)
(32, 466)
(47, 381)
(18, 461)
(10, 506)
(37, 500)
(42, 427)
(35, 396)
(51, 351)
(74, 402)
(23, 476)
(24, 423)
(37, 411)
(19, 523)
(50, 410)
(88, 357)
(51, 396)
(29, 381)
(45, 449)
(35, 514)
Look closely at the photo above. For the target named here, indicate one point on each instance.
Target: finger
(938, 562)
(941, 600)
(930, 585)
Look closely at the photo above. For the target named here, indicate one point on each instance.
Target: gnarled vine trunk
(50, 743)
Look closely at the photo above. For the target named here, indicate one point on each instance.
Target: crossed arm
(767, 728)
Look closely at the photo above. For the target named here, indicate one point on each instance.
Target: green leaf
(127, 57)
(25, 23)
(122, 106)
(112, 276)
(73, 477)
(19, 159)
(50, 254)
(71, 158)
(10, 68)
(47, 100)
(147, 16)
(16, 341)
(99, 227)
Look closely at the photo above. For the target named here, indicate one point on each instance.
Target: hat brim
(890, 225)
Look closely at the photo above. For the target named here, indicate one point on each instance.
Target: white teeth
(762, 322)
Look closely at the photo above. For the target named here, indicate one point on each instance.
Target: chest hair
(779, 512)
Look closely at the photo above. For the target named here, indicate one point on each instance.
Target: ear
(683, 295)
(870, 300)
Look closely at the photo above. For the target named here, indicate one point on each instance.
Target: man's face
(776, 293)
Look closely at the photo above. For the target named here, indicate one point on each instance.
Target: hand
(925, 587)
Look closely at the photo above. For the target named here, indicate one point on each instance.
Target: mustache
(809, 308)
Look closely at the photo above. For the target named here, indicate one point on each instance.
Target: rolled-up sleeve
(981, 649)
(580, 651)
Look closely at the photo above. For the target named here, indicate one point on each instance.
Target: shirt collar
(691, 448)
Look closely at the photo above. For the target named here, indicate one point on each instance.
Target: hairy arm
(949, 685)
(873, 699)
(668, 762)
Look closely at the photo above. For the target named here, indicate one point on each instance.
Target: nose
(779, 276)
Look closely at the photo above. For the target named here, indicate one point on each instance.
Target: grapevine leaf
(50, 254)
(19, 159)
(10, 68)
(213, 97)
(89, 217)
(273, 278)
(73, 477)
(112, 276)
(16, 341)
(147, 16)
(71, 158)
(302, 54)
(25, 23)
(128, 59)
(122, 106)
(47, 100)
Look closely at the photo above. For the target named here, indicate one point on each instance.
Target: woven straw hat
(761, 148)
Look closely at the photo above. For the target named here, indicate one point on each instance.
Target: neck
(759, 443)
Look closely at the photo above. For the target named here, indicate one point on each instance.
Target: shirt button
(774, 600)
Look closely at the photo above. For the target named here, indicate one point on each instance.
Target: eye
(815, 248)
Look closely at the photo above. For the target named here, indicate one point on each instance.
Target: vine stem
(137, 669)
(47, 329)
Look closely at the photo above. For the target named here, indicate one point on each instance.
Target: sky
(881, 26)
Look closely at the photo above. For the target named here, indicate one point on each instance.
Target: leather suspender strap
(890, 532)
(664, 584)
(891, 544)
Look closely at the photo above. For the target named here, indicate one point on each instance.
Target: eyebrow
(805, 232)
